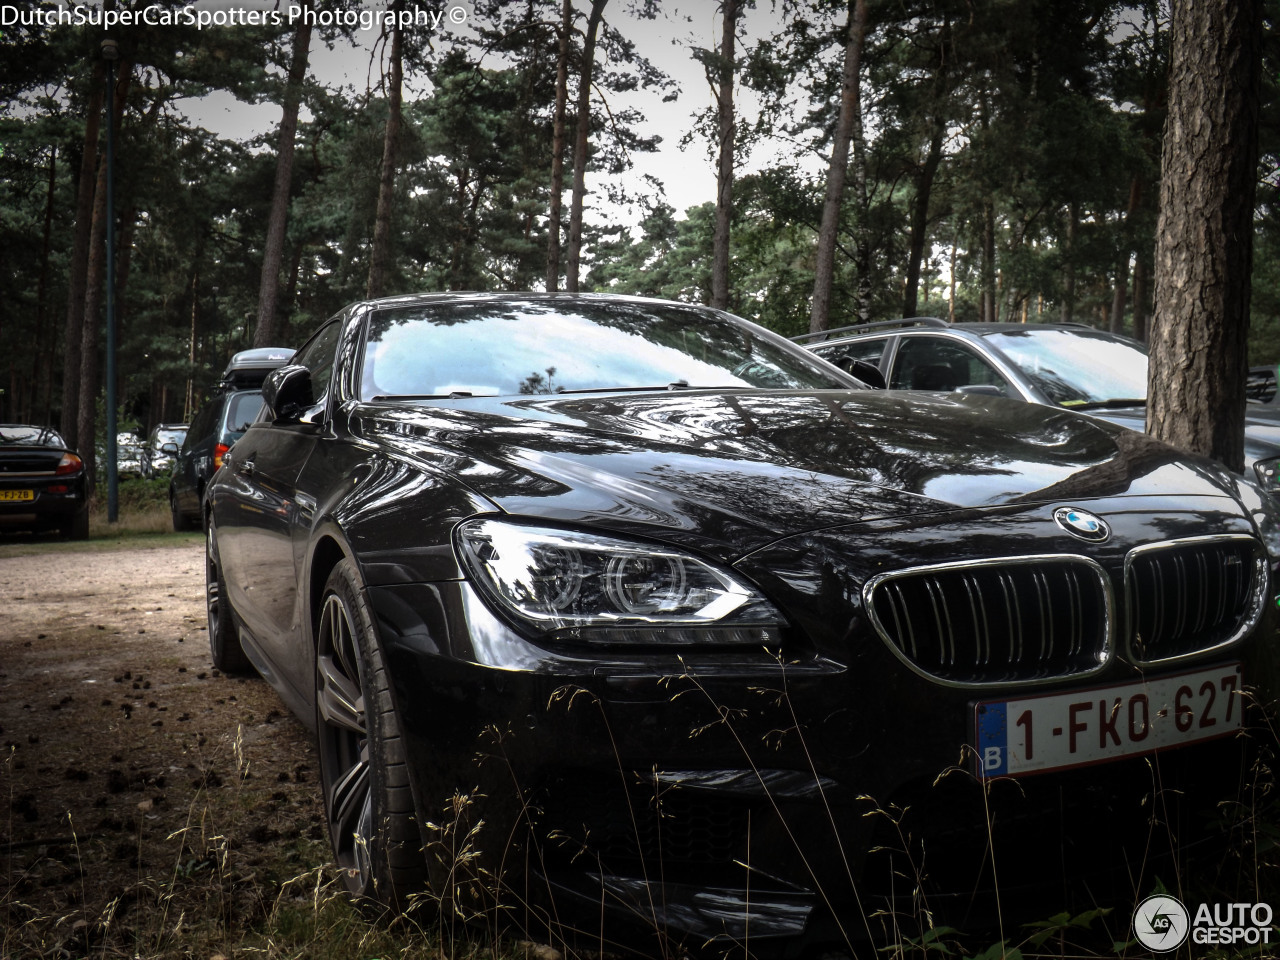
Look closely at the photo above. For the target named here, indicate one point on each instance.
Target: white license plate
(1056, 731)
(22, 496)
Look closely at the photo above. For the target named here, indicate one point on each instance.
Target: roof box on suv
(249, 368)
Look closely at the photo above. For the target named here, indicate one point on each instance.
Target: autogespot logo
(1160, 923)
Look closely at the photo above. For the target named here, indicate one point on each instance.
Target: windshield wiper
(1112, 404)
(673, 385)
(423, 396)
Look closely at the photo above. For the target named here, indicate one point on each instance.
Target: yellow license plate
(18, 495)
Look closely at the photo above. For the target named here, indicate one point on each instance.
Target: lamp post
(111, 53)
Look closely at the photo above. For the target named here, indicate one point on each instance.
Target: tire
(77, 528)
(224, 630)
(368, 802)
(181, 523)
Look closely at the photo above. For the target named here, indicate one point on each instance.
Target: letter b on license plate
(1055, 731)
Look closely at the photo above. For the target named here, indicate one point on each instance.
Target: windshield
(513, 347)
(1076, 367)
(21, 435)
(170, 436)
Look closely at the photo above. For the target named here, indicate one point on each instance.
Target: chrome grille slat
(1186, 597)
(1030, 619)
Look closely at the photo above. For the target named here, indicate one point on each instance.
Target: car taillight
(69, 463)
(219, 452)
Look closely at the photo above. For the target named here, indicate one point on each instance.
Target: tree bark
(78, 267)
(42, 362)
(1126, 253)
(920, 220)
(1068, 306)
(837, 169)
(1140, 299)
(573, 264)
(988, 312)
(380, 255)
(725, 68)
(557, 149)
(96, 279)
(1204, 241)
(264, 333)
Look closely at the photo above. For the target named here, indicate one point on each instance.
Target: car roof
(249, 368)
(480, 296)
(884, 328)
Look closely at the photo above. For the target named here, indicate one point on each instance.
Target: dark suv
(217, 425)
(1056, 364)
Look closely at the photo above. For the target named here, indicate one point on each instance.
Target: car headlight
(581, 586)
(1264, 510)
(1267, 517)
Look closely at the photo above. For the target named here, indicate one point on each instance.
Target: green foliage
(1001, 144)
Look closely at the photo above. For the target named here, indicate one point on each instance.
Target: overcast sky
(687, 175)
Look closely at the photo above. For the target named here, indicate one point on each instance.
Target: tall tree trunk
(920, 220)
(42, 367)
(1119, 297)
(725, 68)
(189, 405)
(1126, 254)
(989, 261)
(837, 170)
(78, 267)
(124, 258)
(557, 149)
(1068, 308)
(96, 279)
(264, 333)
(380, 255)
(951, 283)
(291, 291)
(581, 138)
(1140, 298)
(1204, 241)
(862, 253)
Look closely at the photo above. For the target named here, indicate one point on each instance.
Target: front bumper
(56, 502)
(750, 796)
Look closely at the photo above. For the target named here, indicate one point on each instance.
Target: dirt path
(140, 790)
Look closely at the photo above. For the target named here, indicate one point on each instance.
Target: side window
(933, 363)
(868, 351)
(318, 357)
(242, 410)
(199, 428)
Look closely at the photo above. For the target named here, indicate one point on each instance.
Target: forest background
(996, 160)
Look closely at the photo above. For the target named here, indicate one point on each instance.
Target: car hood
(749, 467)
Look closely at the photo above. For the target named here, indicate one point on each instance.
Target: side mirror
(287, 392)
(981, 389)
(170, 448)
(868, 373)
(1261, 385)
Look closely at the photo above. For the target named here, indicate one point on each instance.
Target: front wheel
(373, 822)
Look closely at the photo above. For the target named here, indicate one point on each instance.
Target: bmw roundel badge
(1082, 524)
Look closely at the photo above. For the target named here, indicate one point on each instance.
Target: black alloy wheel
(224, 632)
(369, 805)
